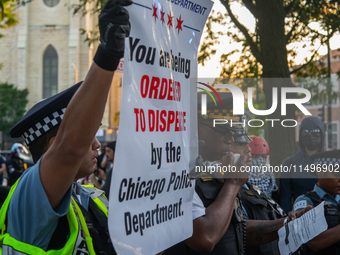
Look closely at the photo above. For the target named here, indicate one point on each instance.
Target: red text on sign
(160, 88)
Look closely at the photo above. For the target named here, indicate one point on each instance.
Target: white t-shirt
(198, 208)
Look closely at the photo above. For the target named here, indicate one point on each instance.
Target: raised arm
(83, 115)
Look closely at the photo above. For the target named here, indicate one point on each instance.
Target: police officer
(46, 209)
(214, 231)
(254, 203)
(223, 229)
(326, 189)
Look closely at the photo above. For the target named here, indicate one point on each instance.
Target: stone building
(47, 53)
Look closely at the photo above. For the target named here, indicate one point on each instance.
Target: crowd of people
(239, 215)
(14, 164)
(48, 210)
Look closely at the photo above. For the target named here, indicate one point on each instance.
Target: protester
(326, 189)
(264, 180)
(46, 210)
(108, 163)
(100, 158)
(311, 141)
(99, 177)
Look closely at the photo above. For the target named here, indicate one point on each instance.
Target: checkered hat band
(220, 114)
(239, 132)
(327, 161)
(43, 126)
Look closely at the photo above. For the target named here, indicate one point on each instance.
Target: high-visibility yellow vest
(79, 242)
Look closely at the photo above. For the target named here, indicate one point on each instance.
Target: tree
(278, 24)
(13, 103)
(8, 17)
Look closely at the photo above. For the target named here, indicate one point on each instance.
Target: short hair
(111, 145)
(40, 146)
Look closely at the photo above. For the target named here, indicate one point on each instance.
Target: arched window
(51, 3)
(50, 72)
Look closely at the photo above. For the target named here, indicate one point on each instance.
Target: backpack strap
(314, 197)
(96, 221)
(101, 196)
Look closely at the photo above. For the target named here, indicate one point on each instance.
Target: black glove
(114, 26)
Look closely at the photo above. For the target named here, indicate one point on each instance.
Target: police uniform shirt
(303, 201)
(32, 219)
(245, 214)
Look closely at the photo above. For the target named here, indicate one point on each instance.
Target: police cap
(327, 157)
(222, 108)
(43, 116)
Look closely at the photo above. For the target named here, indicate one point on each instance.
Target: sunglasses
(310, 132)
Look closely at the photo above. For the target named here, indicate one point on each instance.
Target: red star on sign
(179, 23)
(162, 17)
(170, 20)
(154, 12)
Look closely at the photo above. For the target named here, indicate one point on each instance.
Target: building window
(335, 139)
(50, 72)
(51, 3)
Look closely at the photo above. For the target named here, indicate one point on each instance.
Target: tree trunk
(271, 17)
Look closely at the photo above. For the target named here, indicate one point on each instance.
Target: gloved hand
(114, 26)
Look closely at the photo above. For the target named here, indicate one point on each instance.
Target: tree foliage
(8, 17)
(298, 17)
(91, 36)
(13, 103)
(264, 52)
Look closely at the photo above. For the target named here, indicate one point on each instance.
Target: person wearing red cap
(264, 180)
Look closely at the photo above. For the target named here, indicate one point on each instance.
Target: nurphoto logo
(238, 107)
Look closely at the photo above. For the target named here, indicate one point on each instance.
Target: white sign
(151, 193)
(301, 230)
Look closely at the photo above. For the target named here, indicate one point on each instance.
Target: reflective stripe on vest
(99, 198)
(10, 250)
(79, 242)
(84, 243)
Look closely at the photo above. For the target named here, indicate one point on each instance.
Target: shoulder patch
(302, 204)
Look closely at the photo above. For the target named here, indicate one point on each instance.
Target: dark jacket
(258, 206)
(291, 188)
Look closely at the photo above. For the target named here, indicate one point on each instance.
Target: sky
(212, 68)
